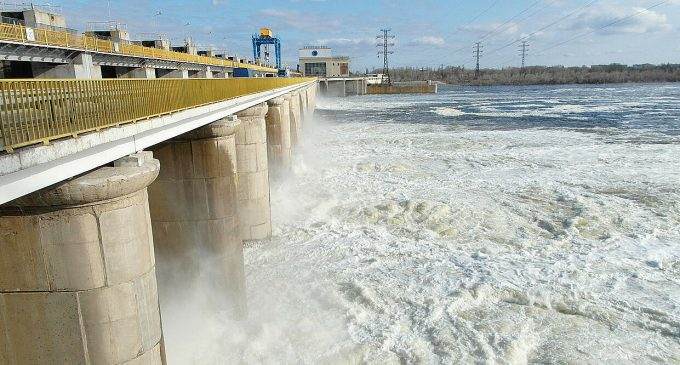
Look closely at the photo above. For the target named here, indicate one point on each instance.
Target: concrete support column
(310, 101)
(175, 74)
(194, 218)
(304, 115)
(253, 174)
(77, 271)
(142, 73)
(295, 119)
(278, 135)
(80, 67)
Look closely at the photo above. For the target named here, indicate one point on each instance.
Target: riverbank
(544, 75)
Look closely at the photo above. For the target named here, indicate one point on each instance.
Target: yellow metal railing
(19, 33)
(34, 111)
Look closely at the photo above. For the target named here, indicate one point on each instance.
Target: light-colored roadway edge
(36, 167)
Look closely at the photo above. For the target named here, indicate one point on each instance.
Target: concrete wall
(403, 89)
(343, 87)
(77, 271)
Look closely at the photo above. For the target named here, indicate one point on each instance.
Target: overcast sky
(428, 32)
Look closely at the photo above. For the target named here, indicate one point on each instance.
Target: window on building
(315, 69)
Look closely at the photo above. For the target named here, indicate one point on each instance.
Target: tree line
(541, 75)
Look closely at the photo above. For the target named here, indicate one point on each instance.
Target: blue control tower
(266, 37)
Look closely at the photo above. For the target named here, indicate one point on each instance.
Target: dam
(165, 200)
(126, 171)
(83, 217)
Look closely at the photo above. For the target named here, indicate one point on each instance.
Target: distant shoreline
(562, 83)
(543, 75)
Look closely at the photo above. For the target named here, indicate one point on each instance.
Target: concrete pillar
(77, 271)
(174, 74)
(278, 135)
(142, 73)
(303, 107)
(194, 218)
(253, 174)
(80, 67)
(310, 101)
(336, 88)
(295, 119)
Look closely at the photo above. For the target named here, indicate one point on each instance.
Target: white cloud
(346, 41)
(599, 19)
(294, 19)
(498, 28)
(428, 41)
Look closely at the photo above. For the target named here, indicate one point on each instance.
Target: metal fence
(56, 38)
(35, 111)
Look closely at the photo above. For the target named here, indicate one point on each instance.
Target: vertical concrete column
(295, 119)
(278, 135)
(194, 217)
(176, 74)
(77, 271)
(142, 73)
(311, 100)
(253, 174)
(303, 107)
(80, 67)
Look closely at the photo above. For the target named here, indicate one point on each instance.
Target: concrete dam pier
(131, 215)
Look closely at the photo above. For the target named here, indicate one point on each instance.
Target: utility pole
(478, 52)
(385, 51)
(523, 50)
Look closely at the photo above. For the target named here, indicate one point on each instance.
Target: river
(492, 224)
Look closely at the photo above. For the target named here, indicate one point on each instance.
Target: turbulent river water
(491, 224)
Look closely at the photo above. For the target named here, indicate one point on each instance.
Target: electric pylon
(523, 51)
(385, 51)
(478, 53)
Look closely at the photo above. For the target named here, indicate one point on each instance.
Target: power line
(497, 28)
(484, 11)
(385, 44)
(614, 22)
(545, 27)
(606, 25)
(509, 20)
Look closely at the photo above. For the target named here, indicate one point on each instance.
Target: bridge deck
(35, 111)
(61, 39)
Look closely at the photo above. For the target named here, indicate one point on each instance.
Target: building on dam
(319, 61)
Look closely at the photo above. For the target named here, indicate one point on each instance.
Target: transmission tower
(478, 53)
(523, 51)
(385, 52)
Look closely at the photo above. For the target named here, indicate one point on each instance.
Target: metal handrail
(18, 33)
(35, 111)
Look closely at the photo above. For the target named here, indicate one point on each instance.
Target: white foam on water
(448, 111)
(413, 243)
